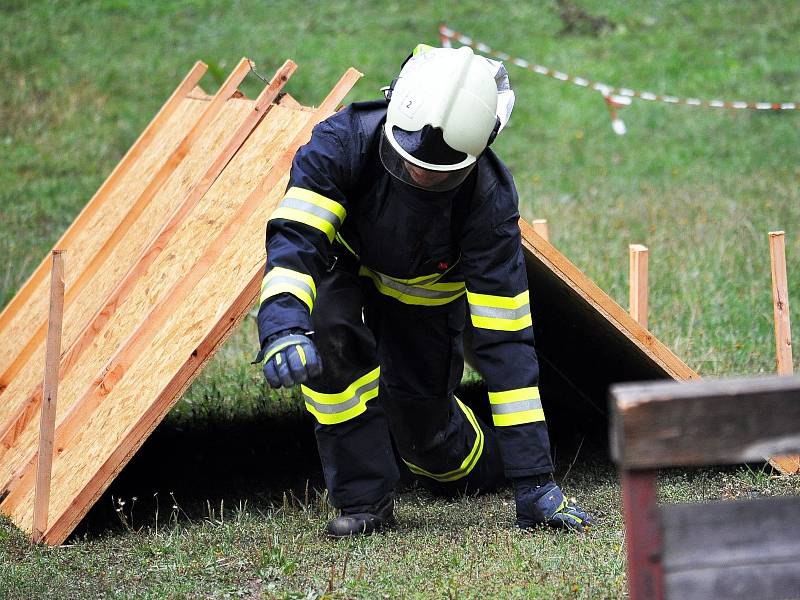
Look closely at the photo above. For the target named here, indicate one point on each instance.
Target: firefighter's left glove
(546, 504)
(290, 358)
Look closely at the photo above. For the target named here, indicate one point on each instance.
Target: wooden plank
(638, 292)
(128, 386)
(642, 535)
(788, 465)
(155, 247)
(98, 201)
(732, 550)
(47, 422)
(585, 342)
(705, 423)
(226, 90)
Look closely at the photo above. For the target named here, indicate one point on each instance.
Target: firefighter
(397, 225)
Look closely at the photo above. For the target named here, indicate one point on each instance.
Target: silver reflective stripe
(510, 314)
(322, 213)
(330, 409)
(292, 281)
(514, 407)
(411, 290)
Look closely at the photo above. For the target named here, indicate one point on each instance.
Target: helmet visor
(420, 177)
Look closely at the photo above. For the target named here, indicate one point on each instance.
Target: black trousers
(419, 350)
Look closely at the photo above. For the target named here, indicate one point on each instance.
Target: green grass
(700, 187)
(465, 548)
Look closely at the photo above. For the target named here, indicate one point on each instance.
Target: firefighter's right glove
(545, 504)
(290, 358)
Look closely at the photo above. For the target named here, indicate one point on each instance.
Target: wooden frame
(155, 292)
(727, 550)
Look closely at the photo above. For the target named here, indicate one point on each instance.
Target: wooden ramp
(162, 264)
(585, 342)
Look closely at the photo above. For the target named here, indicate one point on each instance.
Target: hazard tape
(616, 97)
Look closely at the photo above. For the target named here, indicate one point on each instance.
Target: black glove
(290, 358)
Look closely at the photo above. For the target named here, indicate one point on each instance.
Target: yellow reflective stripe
(502, 324)
(331, 409)
(507, 302)
(318, 199)
(279, 280)
(468, 463)
(411, 291)
(515, 407)
(302, 354)
(519, 418)
(344, 243)
(311, 208)
(501, 313)
(293, 214)
(526, 393)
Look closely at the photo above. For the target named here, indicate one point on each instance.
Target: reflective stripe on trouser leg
(515, 407)
(330, 409)
(469, 461)
(356, 453)
(421, 355)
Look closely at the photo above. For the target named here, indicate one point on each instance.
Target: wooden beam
(638, 285)
(127, 353)
(706, 422)
(643, 537)
(47, 422)
(37, 279)
(788, 465)
(168, 167)
(149, 254)
(540, 227)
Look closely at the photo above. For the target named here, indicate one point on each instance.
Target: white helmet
(443, 112)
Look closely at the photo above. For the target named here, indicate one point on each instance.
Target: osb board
(103, 429)
(585, 342)
(119, 261)
(95, 231)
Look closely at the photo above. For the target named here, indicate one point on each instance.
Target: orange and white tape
(616, 97)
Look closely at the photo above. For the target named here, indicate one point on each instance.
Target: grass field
(700, 187)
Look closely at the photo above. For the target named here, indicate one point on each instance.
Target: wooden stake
(788, 465)
(540, 227)
(780, 301)
(638, 284)
(48, 420)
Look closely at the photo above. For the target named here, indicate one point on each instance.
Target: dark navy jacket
(339, 192)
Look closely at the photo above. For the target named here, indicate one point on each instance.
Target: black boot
(363, 520)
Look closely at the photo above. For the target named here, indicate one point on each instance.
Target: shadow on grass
(234, 460)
